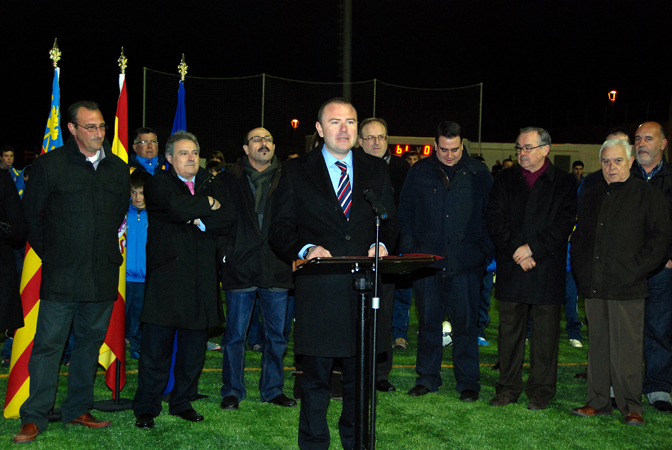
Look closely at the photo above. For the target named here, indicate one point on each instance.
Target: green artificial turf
(434, 421)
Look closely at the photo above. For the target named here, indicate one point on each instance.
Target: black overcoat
(542, 217)
(182, 286)
(306, 211)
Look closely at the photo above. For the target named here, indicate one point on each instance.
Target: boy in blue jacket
(136, 260)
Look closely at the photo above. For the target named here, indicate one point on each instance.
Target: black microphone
(378, 207)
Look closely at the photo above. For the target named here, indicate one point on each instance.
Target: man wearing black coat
(75, 203)
(187, 211)
(373, 140)
(13, 233)
(442, 212)
(250, 269)
(531, 212)
(310, 221)
(622, 233)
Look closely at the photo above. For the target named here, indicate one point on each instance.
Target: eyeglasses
(380, 137)
(92, 128)
(148, 141)
(257, 139)
(527, 148)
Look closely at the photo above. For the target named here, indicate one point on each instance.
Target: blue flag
(53, 137)
(180, 122)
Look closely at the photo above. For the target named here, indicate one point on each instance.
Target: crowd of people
(193, 231)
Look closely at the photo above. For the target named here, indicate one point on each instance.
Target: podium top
(352, 264)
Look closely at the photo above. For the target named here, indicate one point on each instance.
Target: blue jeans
(459, 296)
(402, 306)
(135, 297)
(658, 334)
(255, 333)
(239, 307)
(573, 326)
(484, 312)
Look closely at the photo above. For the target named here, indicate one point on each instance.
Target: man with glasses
(442, 212)
(373, 140)
(146, 147)
(250, 269)
(75, 204)
(531, 212)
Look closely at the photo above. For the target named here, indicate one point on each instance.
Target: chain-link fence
(220, 111)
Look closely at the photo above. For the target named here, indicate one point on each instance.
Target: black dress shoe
(663, 406)
(468, 396)
(418, 390)
(144, 421)
(282, 400)
(230, 402)
(385, 386)
(190, 414)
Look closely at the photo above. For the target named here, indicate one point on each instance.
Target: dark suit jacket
(306, 211)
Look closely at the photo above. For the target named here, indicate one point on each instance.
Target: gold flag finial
(55, 53)
(183, 68)
(123, 61)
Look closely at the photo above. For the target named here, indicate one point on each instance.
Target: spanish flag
(113, 350)
(19, 380)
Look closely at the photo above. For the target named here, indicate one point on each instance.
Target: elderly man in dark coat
(531, 212)
(182, 291)
(75, 203)
(622, 235)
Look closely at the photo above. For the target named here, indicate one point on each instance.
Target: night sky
(542, 63)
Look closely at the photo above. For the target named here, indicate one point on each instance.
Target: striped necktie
(344, 193)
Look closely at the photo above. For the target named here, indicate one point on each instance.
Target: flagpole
(113, 352)
(18, 385)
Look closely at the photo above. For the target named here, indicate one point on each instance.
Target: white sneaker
(575, 343)
(447, 334)
(213, 347)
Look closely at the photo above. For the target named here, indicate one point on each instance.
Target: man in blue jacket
(442, 212)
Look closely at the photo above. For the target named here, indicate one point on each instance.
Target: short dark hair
(214, 165)
(337, 100)
(448, 130)
(544, 136)
(618, 130)
(7, 148)
(139, 178)
(411, 153)
(365, 122)
(74, 108)
(143, 130)
(578, 163)
(217, 155)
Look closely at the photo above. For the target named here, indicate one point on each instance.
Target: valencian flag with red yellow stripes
(19, 380)
(113, 350)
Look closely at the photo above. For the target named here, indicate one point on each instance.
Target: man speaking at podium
(320, 211)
